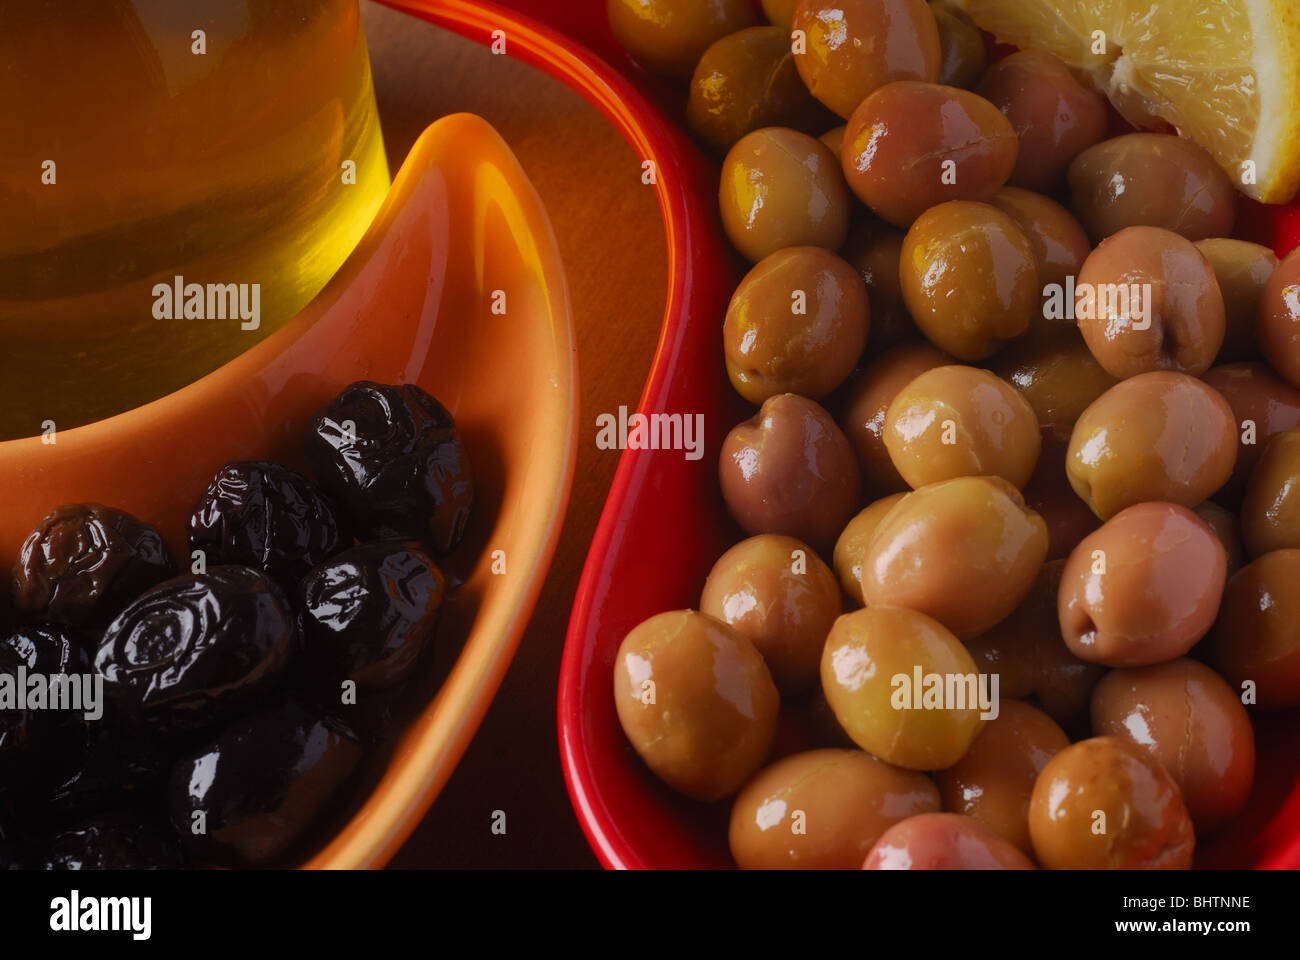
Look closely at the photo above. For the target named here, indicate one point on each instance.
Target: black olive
(123, 840)
(195, 650)
(367, 614)
(250, 797)
(392, 457)
(36, 741)
(264, 515)
(84, 562)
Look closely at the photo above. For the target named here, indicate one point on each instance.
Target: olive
(84, 562)
(961, 46)
(259, 514)
(1106, 803)
(115, 768)
(796, 324)
(911, 146)
(1151, 179)
(944, 841)
(874, 248)
(822, 809)
(124, 840)
(392, 457)
(668, 36)
(869, 655)
(696, 701)
(854, 46)
(195, 649)
(1242, 270)
(962, 551)
(748, 80)
(851, 547)
(969, 278)
(261, 785)
(367, 614)
(1057, 374)
(1277, 325)
(1256, 639)
(1263, 407)
(776, 592)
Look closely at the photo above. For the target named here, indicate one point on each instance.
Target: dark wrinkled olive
(34, 743)
(128, 840)
(195, 649)
(392, 457)
(260, 514)
(10, 858)
(261, 785)
(84, 562)
(368, 613)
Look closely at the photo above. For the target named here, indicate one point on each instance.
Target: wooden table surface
(611, 237)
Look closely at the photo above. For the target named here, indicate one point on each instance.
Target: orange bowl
(460, 231)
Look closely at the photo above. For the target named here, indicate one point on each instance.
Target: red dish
(664, 523)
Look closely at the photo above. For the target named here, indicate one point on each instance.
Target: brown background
(611, 237)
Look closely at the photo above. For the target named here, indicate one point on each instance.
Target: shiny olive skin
(963, 551)
(1049, 494)
(262, 785)
(84, 562)
(777, 593)
(1242, 270)
(745, 81)
(1155, 180)
(911, 146)
(789, 470)
(873, 248)
(696, 702)
(196, 650)
(958, 421)
(1059, 243)
(969, 278)
(1277, 325)
(1157, 436)
(1190, 720)
(1227, 528)
(1146, 826)
(1055, 117)
(866, 401)
(1031, 659)
(961, 48)
(1263, 406)
(1144, 588)
(796, 324)
(866, 652)
(1056, 373)
(1257, 637)
(993, 782)
(1177, 326)
(855, 46)
(368, 613)
(782, 188)
(1270, 511)
(668, 37)
(847, 799)
(944, 841)
(851, 547)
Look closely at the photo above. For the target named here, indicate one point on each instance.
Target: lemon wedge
(1223, 73)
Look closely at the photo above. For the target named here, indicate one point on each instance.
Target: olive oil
(150, 145)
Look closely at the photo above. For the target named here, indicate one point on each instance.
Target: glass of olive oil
(177, 180)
